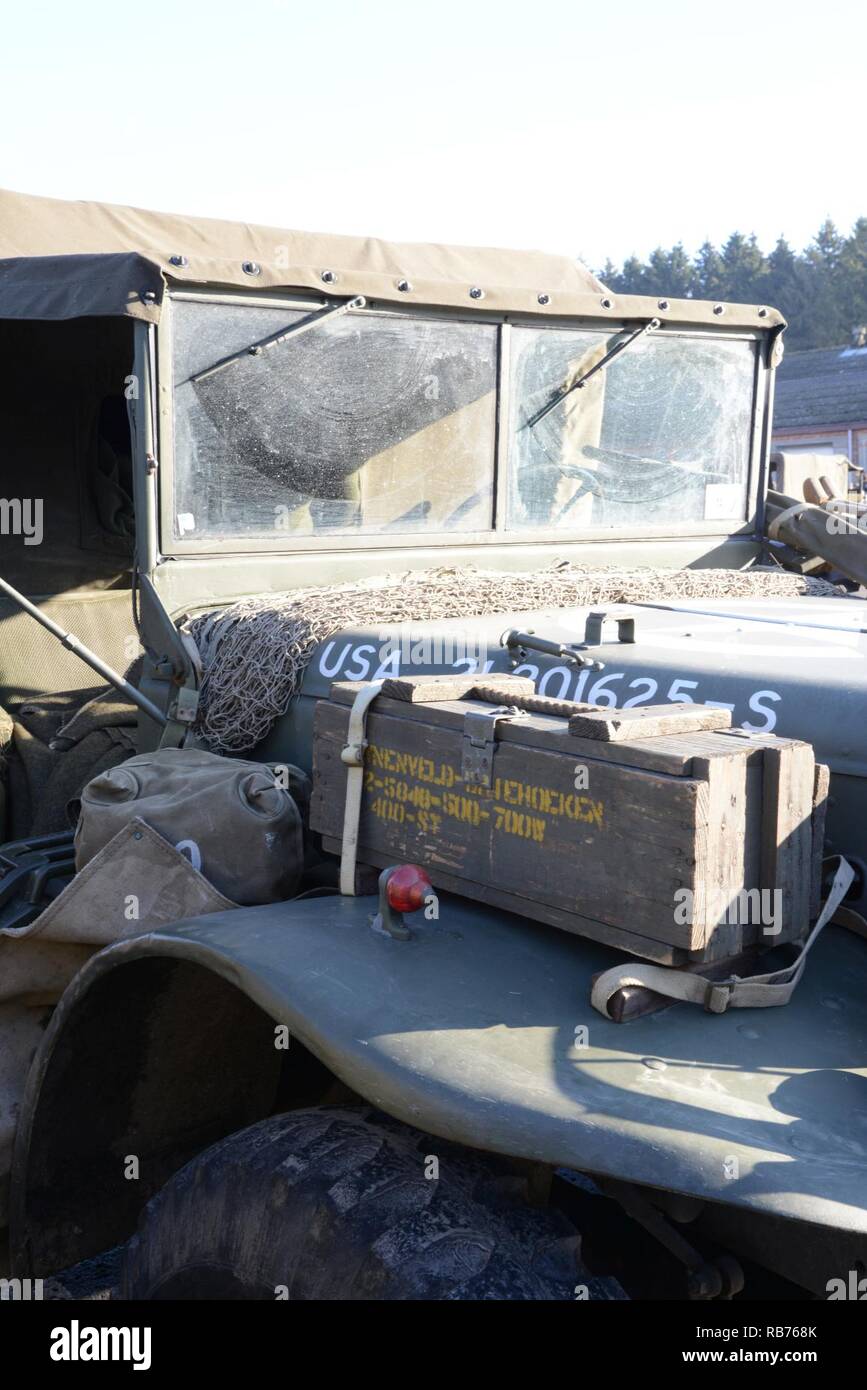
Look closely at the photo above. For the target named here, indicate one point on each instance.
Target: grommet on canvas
(251, 268)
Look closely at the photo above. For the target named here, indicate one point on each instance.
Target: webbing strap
(353, 755)
(774, 527)
(757, 992)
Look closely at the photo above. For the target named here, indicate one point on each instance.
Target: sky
(595, 130)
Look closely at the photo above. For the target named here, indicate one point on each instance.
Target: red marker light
(407, 888)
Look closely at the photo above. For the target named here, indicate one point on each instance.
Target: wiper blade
(565, 391)
(294, 330)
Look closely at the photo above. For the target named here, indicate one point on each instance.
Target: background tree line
(822, 290)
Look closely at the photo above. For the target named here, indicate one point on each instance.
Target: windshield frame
(173, 546)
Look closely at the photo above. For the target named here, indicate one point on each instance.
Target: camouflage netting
(254, 653)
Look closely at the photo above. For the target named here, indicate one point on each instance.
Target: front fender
(478, 1029)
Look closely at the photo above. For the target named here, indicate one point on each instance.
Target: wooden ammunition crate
(592, 820)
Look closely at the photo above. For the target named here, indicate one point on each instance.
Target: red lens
(407, 888)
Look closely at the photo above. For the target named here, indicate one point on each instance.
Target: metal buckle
(718, 995)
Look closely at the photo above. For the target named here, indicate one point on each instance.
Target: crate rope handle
(494, 694)
(755, 992)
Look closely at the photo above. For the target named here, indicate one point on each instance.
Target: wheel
(345, 1204)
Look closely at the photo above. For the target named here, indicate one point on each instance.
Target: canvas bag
(238, 826)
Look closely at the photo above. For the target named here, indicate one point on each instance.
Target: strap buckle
(718, 995)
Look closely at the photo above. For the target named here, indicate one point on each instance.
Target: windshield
(363, 424)
(661, 434)
(371, 423)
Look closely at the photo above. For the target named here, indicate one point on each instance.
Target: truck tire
(335, 1203)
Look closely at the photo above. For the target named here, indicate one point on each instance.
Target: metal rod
(515, 642)
(842, 632)
(84, 654)
(582, 380)
(293, 331)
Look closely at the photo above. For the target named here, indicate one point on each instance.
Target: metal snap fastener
(251, 268)
(179, 261)
(476, 293)
(328, 277)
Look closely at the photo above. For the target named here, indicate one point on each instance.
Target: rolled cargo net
(255, 652)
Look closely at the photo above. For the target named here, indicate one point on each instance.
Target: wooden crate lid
(667, 739)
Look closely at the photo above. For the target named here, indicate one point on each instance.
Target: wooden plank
(625, 845)
(787, 835)
(821, 784)
(647, 721)
(732, 871)
(621, 939)
(716, 935)
(755, 765)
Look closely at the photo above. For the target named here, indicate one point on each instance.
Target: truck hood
(792, 667)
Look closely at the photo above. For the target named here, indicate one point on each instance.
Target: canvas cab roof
(62, 259)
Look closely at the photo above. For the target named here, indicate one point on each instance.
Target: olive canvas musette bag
(235, 820)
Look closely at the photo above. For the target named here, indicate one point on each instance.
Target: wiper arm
(565, 391)
(293, 331)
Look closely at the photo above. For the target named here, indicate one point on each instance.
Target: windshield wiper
(293, 331)
(565, 391)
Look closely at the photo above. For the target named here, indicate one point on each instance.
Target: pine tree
(826, 308)
(828, 245)
(787, 289)
(678, 274)
(633, 277)
(852, 290)
(745, 269)
(709, 272)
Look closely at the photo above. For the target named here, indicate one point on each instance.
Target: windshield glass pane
(660, 435)
(362, 424)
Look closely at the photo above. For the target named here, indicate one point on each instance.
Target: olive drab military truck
(421, 780)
